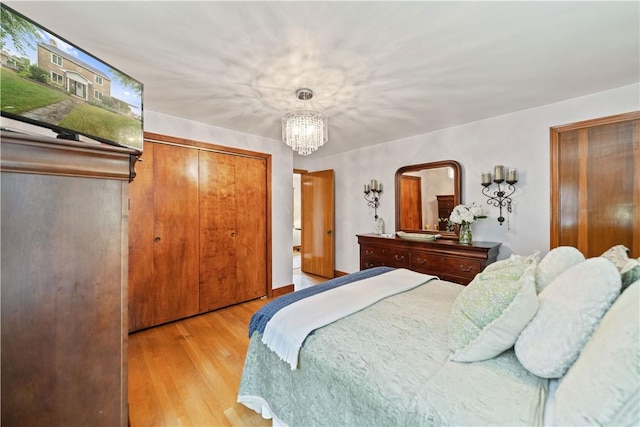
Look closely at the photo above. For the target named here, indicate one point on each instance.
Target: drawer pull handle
(399, 257)
(421, 261)
(466, 270)
(367, 252)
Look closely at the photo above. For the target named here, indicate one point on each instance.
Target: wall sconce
(372, 194)
(500, 198)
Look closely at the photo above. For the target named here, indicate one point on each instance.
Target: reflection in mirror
(425, 194)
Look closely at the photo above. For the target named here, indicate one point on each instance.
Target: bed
(392, 362)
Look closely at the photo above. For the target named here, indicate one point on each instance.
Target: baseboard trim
(283, 290)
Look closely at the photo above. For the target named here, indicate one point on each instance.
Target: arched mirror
(425, 195)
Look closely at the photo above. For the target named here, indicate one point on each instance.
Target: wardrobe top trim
(205, 146)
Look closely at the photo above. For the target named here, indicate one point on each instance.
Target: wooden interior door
(233, 245)
(595, 184)
(318, 205)
(411, 202)
(176, 233)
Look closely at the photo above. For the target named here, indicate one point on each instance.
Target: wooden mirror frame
(457, 195)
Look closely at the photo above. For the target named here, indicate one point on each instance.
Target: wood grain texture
(318, 241)
(188, 372)
(52, 156)
(411, 201)
(176, 233)
(595, 186)
(141, 271)
(200, 230)
(446, 259)
(63, 295)
(233, 244)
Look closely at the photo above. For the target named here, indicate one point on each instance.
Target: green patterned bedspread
(388, 366)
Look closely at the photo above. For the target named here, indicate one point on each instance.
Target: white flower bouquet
(463, 214)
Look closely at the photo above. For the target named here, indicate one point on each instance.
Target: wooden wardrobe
(64, 281)
(199, 230)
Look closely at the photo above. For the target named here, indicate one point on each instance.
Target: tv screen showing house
(47, 81)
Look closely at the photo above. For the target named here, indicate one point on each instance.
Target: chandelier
(304, 130)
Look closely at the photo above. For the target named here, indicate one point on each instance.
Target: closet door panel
(232, 229)
(175, 246)
(141, 282)
(217, 230)
(251, 245)
(595, 190)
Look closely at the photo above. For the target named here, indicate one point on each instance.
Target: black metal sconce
(372, 194)
(500, 198)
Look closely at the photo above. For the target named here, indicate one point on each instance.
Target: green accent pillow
(488, 315)
(630, 276)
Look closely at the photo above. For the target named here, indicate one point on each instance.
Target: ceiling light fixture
(304, 130)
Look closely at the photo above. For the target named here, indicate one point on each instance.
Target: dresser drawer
(461, 267)
(398, 258)
(426, 263)
(373, 252)
(375, 256)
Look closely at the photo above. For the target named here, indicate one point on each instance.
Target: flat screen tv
(50, 82)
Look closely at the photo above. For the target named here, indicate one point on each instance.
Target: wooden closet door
(175, 241)
(251, 228)
(595, 178)
(141, 280)
(233, 251)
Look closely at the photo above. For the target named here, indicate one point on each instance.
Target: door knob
(329, 232)
(157, 239)
(233, 234)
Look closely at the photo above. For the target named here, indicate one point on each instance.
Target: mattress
(389, 365)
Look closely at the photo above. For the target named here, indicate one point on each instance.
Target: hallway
(302, 280)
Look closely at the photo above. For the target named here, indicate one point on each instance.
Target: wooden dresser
(64, 282)
(446, 259)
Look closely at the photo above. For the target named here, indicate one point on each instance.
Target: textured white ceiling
(379, 70)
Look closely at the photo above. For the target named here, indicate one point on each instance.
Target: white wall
(281, 171)
(519, 140)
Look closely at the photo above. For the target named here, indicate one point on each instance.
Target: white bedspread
(289, 327)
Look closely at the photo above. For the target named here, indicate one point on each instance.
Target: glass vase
(465, 237)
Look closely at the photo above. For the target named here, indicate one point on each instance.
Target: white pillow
(603, 386)
(556, 262)
(490, 312)
(571, 307)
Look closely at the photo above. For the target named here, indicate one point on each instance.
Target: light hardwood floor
(187, 373)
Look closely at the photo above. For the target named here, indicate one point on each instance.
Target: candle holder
(500, 198)
(372, 194)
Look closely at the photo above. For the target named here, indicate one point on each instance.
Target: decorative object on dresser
(463, 216)
(64, 281)
(500, 198)
(446, 259)
(425, 194)
(372, 194)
